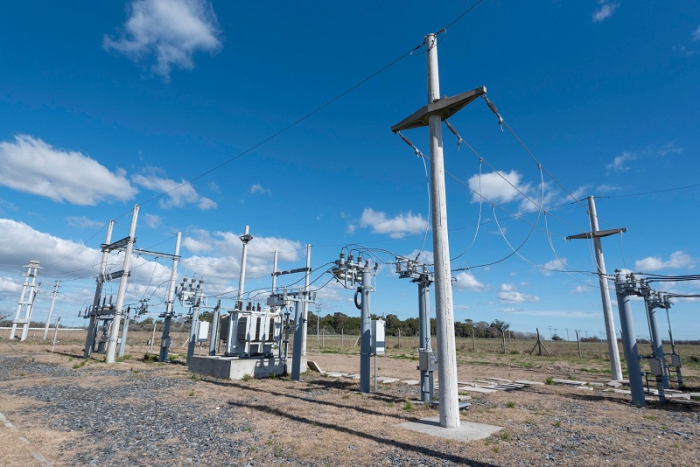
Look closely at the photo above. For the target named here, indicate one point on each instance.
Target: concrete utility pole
(432, 116)
(92, 327)
(53, 300)
(613, 351)
(653, 301)
(230, 342)
(305, 301)
(169, 305)
(114, 330)
(26, 300)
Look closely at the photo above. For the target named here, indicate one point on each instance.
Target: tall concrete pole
(366, 327)
(30, 301)
(232, 326)
(125, 332)
(194, 324)
(114, 330)
(53, 301)
(305, 303)
(92, 327)
(21, 301)
(274, 276)
(623, 289)
(613, 351)
(215, 328)
(165, 339)
(447, 359)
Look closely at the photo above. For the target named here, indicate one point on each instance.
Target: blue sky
(109, 104)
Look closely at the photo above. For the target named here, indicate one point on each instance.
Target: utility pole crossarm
(445, 108)
(597, 234)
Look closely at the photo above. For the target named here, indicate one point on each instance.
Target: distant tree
(207, 316)
(556, 338)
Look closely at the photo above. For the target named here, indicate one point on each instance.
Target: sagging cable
(495, 111)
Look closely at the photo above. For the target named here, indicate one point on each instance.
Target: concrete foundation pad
(479, 390)
(334, 374)
(530, 383)
(354, 376)
(313, 366)
(500, 379)
(237, 368)
(569, 382)
(411, 382)
(622, 391)
(386, 380)
(467, 431)
(614, 384)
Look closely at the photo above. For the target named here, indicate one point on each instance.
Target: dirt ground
(325, 421)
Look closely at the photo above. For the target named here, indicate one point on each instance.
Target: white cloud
(465, 280)
(619, 164)
(32, 166)
(172, 31)
(607, 188)
(696, 34)
(497, 188)
(258, 188)
(178, 194)
(550, 313)
(579, 289)
(669, 148)
(605, 10)
(152, 221)
(83, 222)
(677, 260)
(557, 264)
(426, 256)
(9, 286)
(396, 227)
(508, 294)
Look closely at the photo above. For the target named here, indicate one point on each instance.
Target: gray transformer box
(427, 361)
(676, 360)
(657, 367)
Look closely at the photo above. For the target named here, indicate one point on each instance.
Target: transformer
(257, 333)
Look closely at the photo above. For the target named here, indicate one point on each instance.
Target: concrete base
(467, 431)
(237, 368)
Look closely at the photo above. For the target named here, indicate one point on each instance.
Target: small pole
(503, 336)
(55, 332)
(153, 336)
(473, 341)
(323, 341)
(578, 341)
(342, 335)
(399, 338)
(53, 300)
(375, 372)
(125, 331)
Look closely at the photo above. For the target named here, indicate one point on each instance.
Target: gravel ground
(136, 413)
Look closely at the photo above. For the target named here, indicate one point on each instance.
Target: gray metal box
(676, 360)
(427, 361)
(657, 368)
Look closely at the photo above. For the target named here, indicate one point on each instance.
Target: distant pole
(399, 338)
(296, 350)
(55, 332)
(53, 300)
(578, 341)
(114, 331)
(567, 334)
(473, 341)
(342, 336)
(305, 300)
(215, 328)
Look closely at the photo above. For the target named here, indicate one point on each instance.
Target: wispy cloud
(557, 264)
(620, 163)
(30, 165)
(259, 189)
(397, 226)
(605, 10)
(696, 34)
(177, 194)
(83, 222)
(677, 260)
(579, 289)
(170, 31)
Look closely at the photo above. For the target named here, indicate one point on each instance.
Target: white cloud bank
(30, 165)
(508, 294)
(677, 260)
(171, 31)
(465, 280)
